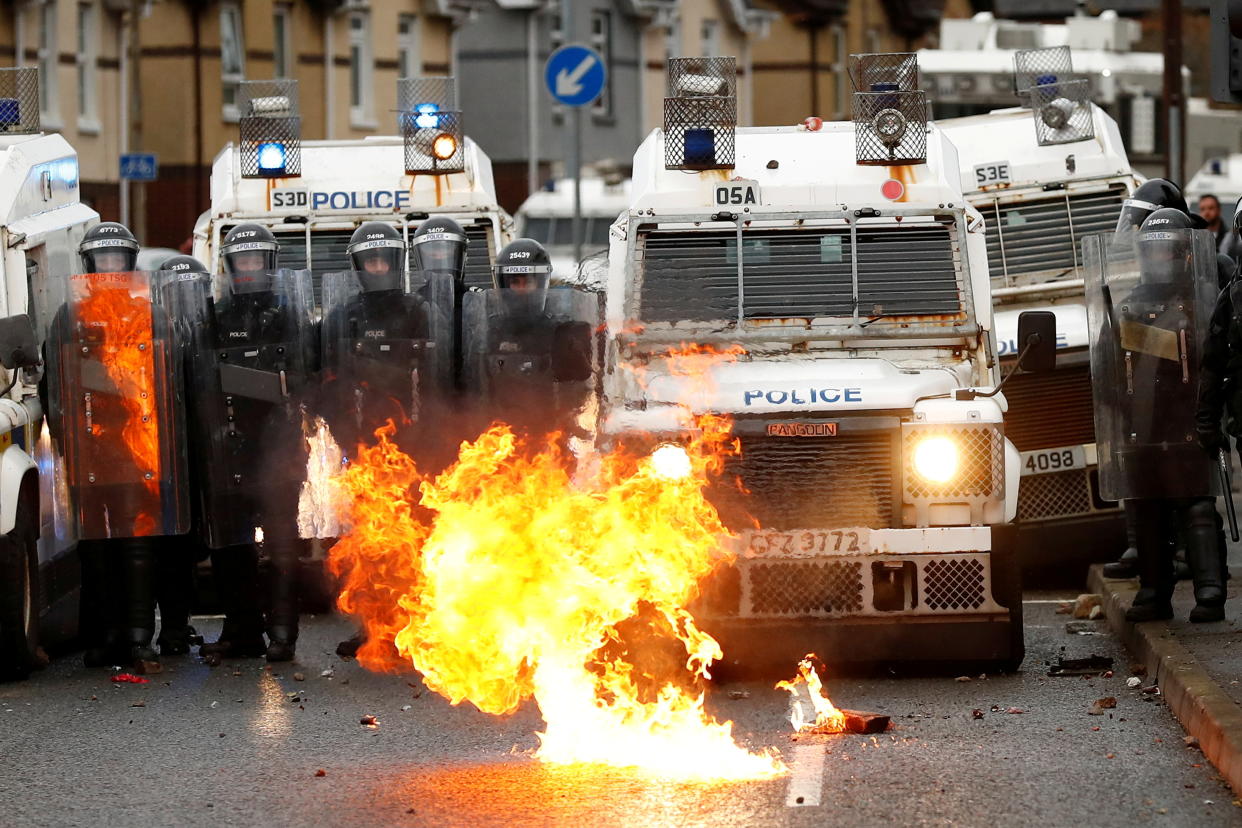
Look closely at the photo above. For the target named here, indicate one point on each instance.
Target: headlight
(671, 461)
(936, 459)
(444, 146)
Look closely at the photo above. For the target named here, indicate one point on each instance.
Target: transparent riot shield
(531, 363)
(252, 370)
(384, 353)
(1149, 300)
(116, 406)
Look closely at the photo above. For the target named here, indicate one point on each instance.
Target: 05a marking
(808, 542)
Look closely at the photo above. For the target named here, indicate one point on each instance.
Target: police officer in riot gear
(1151, 195)
(256, 358)
(438, 249)
(113, 394)
(386, 344)
(530, 348)
(1145, 362)
(176, 560)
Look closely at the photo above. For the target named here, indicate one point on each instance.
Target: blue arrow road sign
(139, 166)
(575, 75)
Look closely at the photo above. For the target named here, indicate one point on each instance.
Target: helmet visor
(439, 252)
(1134, 212)
(109, 255)
(1164, 256)
(250, 265)
(524, 288)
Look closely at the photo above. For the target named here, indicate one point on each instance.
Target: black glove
(1211, 438)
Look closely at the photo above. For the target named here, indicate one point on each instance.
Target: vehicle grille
(328, 254)
(903, 270)
(1056, 495)
(805, 587)
(1050, 410)
(953, 584)
(1039, 238)
(809, 482)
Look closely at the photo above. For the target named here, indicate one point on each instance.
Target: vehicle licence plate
(994, 173)
(805, 543)
(1049, 461)
(739, 193)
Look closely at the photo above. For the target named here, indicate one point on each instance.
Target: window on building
(361, 68)
(409, 56)
(709, 36)
(88, 60)
(601, 40)
(47, 63)
(282, 41)
(232, 69)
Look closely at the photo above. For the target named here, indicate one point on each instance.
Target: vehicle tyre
(19, 610)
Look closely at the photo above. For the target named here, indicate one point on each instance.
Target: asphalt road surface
(229, 745)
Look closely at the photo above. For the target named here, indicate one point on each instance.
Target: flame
(321, 504)
(127, 355)
(804, 687)
(525, 572)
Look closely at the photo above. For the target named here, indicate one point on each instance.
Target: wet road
(230, 746)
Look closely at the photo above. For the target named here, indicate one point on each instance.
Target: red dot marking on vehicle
(892, 189)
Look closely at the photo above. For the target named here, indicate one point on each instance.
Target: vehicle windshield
(873, 273)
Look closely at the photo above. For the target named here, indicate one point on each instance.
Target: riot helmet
(523, 270)
(439, 246)
(1237, 216)
(1150, 196)
(108, 247)
(1164, 245)
(249, 255)
(183, 264)
(1226, 270)
(378, 254)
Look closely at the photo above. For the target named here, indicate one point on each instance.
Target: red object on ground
(130, 678)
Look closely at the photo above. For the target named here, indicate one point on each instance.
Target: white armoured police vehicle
(844, 262)
(548, 217)
(1044, 176)
(42, 222)
(314, 194)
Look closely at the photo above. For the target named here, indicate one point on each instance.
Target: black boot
(174, 588)
(1154, 600)
(138, 566)
(1124, 567)
(236, 573)
(1203, 540)
(282, 617)
(98, 615)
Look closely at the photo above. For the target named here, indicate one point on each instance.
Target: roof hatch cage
(890, 111)
(700, 114)
(19, 101)
(270, 129)
(1060, 100)
(430, 124)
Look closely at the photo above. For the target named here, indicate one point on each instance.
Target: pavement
(230, 745)
(1198, 666)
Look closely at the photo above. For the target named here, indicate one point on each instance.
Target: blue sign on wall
(139, 166)
(575, 75)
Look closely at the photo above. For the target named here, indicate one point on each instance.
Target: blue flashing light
(427, 115)
(272, 157)
(885, 86)
(10, 112)
(1045, 80)
(700, 147)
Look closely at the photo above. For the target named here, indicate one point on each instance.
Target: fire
(805, 687)
(127, 354)
(523, 572)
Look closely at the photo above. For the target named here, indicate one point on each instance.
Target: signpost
(575, 76)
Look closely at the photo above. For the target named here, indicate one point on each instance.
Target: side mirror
(18, 345)
(1037, 341)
